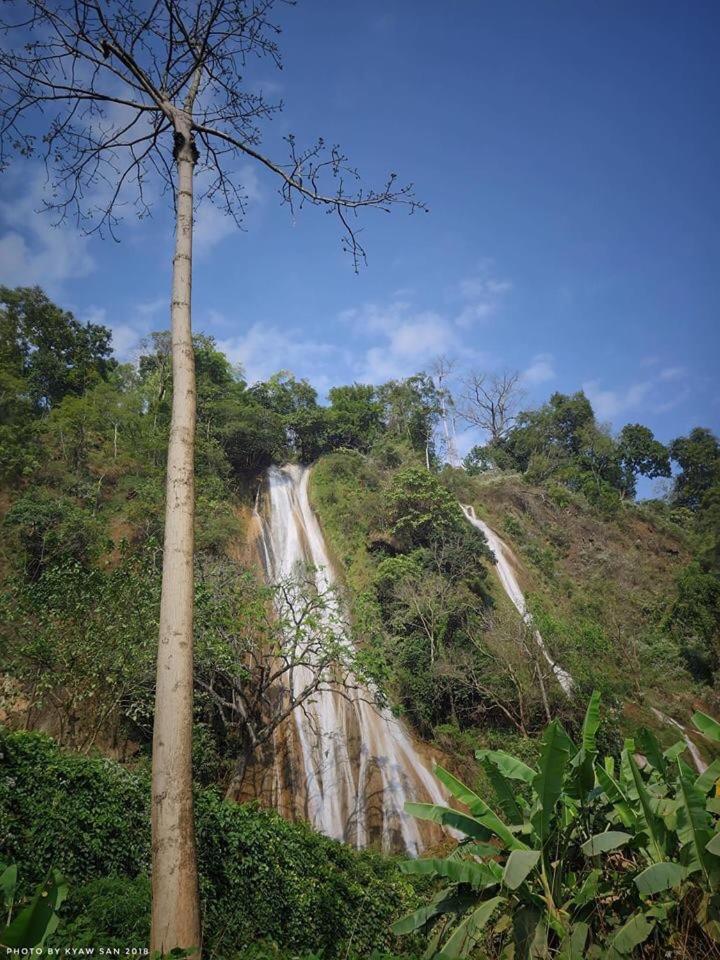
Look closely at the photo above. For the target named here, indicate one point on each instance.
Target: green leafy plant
(575, 859)
(30, 923)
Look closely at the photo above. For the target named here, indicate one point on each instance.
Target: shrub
(260, 876)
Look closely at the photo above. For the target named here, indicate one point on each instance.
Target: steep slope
(597, 585)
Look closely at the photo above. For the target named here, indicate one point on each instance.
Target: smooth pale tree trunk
(175, 900)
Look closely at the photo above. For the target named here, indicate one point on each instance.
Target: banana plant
(674, 825)
(514, 877)
(575, 858)
(29, 924)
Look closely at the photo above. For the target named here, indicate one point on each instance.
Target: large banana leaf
(466, 934)
(604, 842)
(480, 810)
(581, 783)
(477, 875)
(519, 864)
(649, 746)
(448, 817)
(504, 789)
(591, 723)
(707, 780)
(548, 783)
(713, 845)
(651, 824)
(707, 726)
(658, 877)
(636, 931)
(587, 892)
(8, 883)
(573, 946)
(509, 766)
(693, 826)
(616, 795)
(446, 901)
(526, 921)
(35, 922)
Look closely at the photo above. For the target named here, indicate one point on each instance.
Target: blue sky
(569, 153)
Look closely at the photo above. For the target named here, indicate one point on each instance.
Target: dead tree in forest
(119, 97)
(491, 402)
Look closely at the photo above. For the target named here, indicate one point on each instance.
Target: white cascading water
(359, 763)
(697, 758)
(510, 585)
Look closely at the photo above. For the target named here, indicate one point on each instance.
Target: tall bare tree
(120, 97)
(442, 369)
(491, 402)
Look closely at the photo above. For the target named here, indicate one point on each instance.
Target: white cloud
(263, 350)
(32, 249)
(150, 308)
(125, 336)
(125, 340)
(540, 370)
(609, 403)
(212, 224)
(483, 294)
(672, 373)
(211, 227)
(409, 339)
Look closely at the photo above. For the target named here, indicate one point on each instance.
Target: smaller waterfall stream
(359, 764)
(700, 764)
(508, 580)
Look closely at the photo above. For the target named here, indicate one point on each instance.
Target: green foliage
(418, 574)
(698, 456)
(640, 453)
(30, 924)
(261, 877)
(113, 909)
(421, 510)
(51, 529)
(83, 642)
(47, 349)
(355, 416)
(534, 869)
(694, 618)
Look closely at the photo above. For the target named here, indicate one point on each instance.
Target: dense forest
(625, 593)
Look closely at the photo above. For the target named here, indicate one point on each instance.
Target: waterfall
(357, 763)
(700, 764)
(508, 580)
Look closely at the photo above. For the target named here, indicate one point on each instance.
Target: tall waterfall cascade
(346, 765)
(509, 583)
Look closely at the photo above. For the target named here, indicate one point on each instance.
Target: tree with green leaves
(640, 454)
(698, 456)
(355, 416)
(47, 350)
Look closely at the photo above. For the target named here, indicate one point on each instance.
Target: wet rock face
(342, 763)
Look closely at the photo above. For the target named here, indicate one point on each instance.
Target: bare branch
(83, 64)
(491, 402)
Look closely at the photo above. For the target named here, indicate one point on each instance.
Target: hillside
(599, 587)
(418, 654)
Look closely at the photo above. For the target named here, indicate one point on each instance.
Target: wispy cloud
(212, 224)
(540, 370)
(408, 338)
(482, 295)
(672, 373)
(263, 350)
(32, 249)
(607, 404)
(661, 389)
